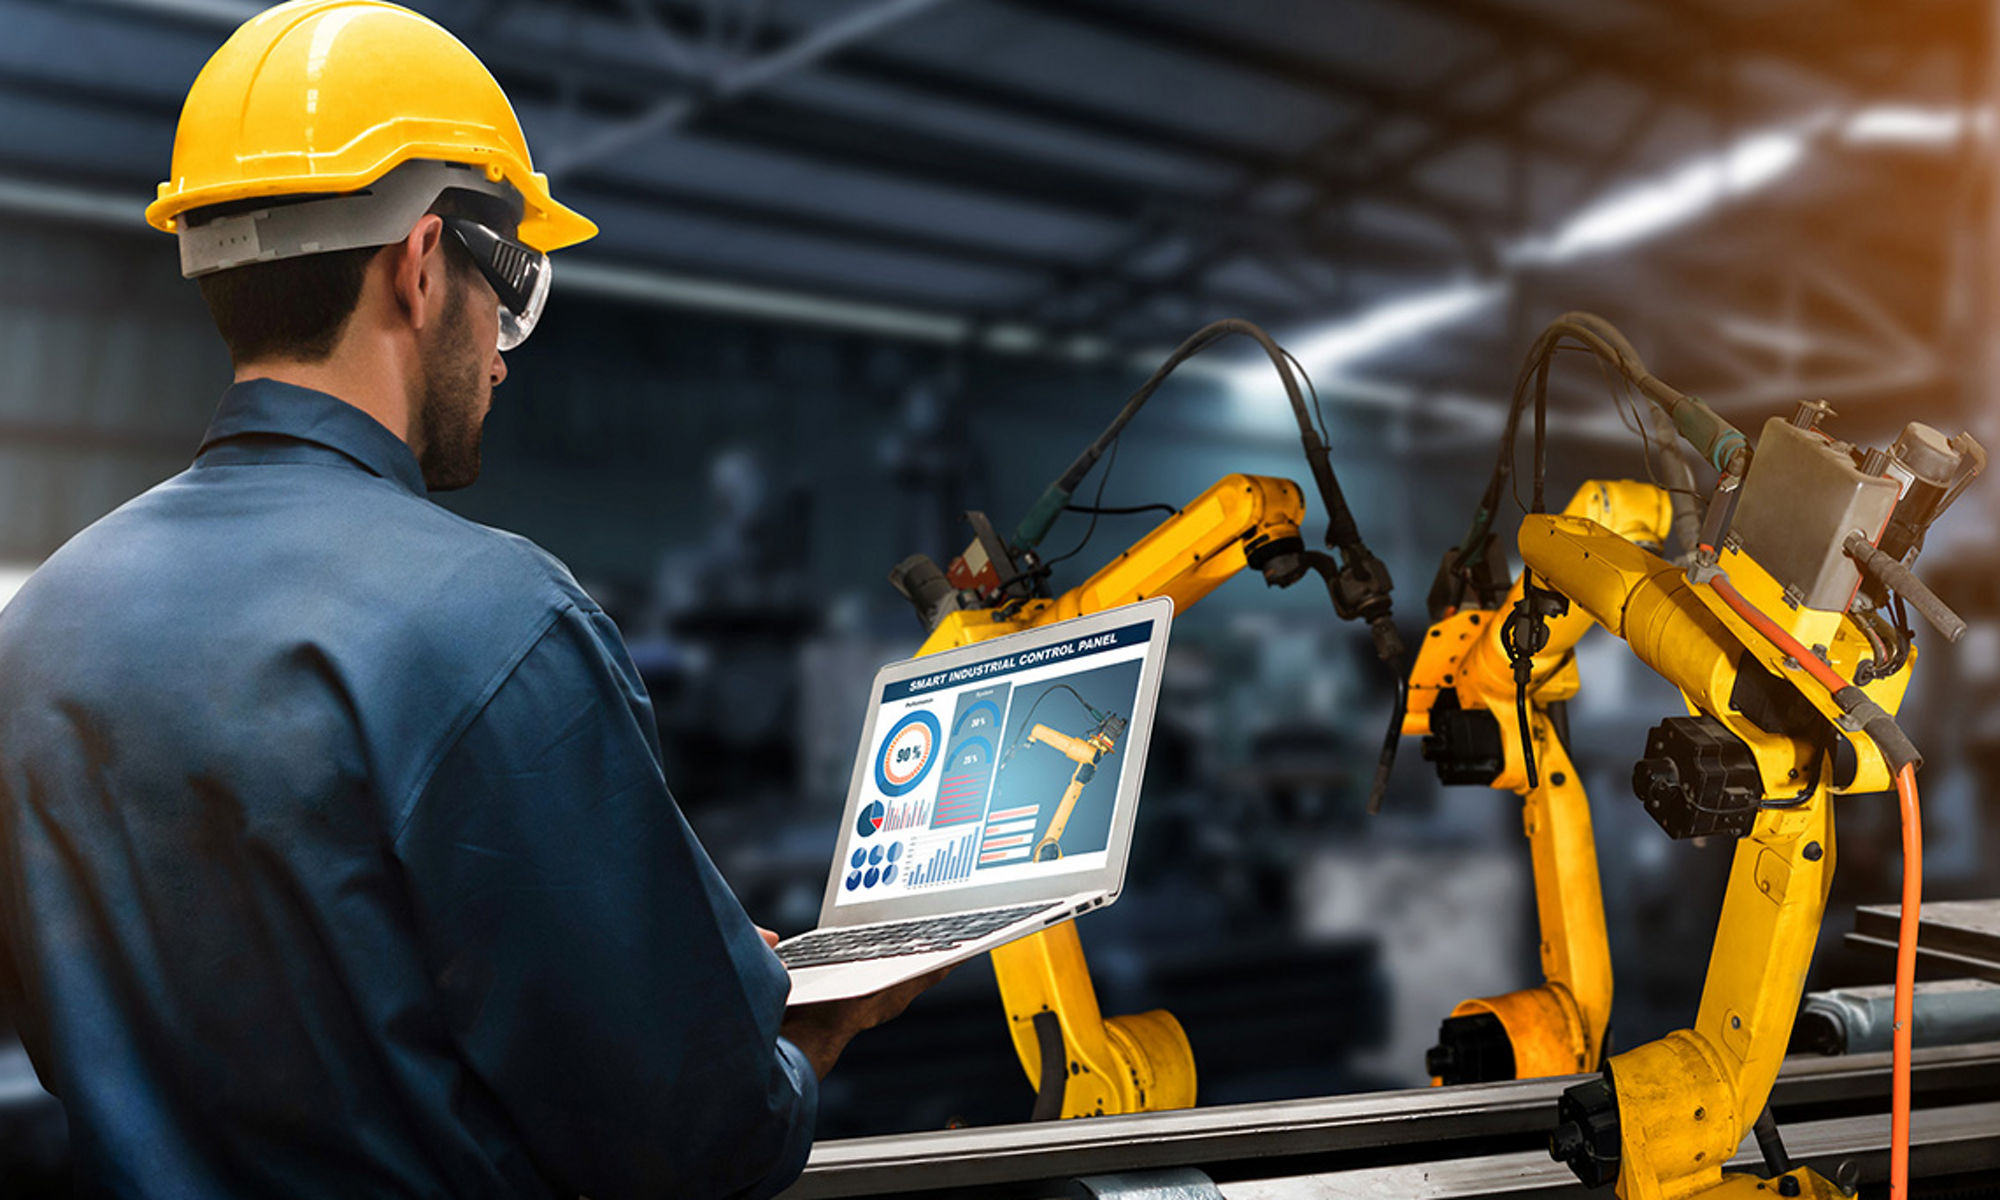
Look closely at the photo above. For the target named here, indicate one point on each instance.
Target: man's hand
(823, 1030)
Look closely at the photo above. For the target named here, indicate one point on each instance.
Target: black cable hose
(1341, 530)
(1095, 508)
(1523, 623)
(1054, 1083)
(1598, 336)
(1900, 651)
(1602, 339)
(1771, 1144)
(1027, 722)
(1129, 510)
(1385, 759)
(1342, 533)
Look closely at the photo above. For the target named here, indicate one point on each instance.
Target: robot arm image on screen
(1086, 752)
(1462, 703)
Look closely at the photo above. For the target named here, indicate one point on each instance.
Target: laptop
(993, 796)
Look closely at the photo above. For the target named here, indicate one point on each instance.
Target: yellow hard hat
(327, 96)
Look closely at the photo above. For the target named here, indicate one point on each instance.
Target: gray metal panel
(1802, 498)
(1946, 1012)
(1960, 934)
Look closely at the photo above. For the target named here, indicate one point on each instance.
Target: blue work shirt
(336, 858)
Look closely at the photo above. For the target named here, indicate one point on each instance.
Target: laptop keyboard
(824, 946)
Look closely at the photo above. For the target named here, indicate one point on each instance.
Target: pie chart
(870, 822)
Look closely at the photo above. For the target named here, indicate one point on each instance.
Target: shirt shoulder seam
(456, 730)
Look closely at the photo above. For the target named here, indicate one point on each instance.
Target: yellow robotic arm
(1775, 636)
(1140, 1062)
(1683, 1104)
(1127, 1064)
(1463, 700)
(1240, 518)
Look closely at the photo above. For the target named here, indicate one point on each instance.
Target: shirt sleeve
(599, 976)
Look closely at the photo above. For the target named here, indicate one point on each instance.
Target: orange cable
(1913, 891)
(1906, 982)
(1814, 666)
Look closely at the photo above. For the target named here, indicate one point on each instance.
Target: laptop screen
(1001, 770)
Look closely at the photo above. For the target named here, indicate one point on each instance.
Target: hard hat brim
(546, 224)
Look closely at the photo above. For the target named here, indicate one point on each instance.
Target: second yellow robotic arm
(1463, 697)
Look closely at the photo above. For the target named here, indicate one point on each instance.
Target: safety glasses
(519, 276)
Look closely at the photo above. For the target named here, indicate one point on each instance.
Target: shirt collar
(267, 407)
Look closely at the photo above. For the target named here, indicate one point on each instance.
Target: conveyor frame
(1475, 1140)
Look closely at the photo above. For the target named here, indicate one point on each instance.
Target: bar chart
(914, 815)
(1008, 833)
(947, 864)
(962, 795)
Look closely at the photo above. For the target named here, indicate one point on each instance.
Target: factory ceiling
(1782, 196)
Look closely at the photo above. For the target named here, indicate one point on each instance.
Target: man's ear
(418, 273)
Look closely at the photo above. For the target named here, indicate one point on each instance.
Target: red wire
(1913, 891)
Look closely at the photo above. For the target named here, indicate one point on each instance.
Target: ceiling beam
(1215, 43)
(636, 81)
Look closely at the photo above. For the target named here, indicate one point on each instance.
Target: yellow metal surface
(1140, 1062)
(324, 96)
(1812, 1186)
(1846, 646)
(970, 626)
(1686, 1101)
(1687, 634)
(1569, 904)
(1445, 645)
(1128, 1064)
(1558, 1027)
(1193, 552)
(1542, 1025)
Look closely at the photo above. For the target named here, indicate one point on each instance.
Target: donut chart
(981, 714)
(908, 754)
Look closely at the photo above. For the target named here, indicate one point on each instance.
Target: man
(335, 856)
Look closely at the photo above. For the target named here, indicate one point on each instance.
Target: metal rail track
(1479, 1140)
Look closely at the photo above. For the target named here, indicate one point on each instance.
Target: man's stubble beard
(450, 406)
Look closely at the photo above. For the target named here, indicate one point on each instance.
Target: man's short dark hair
(295, 308)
